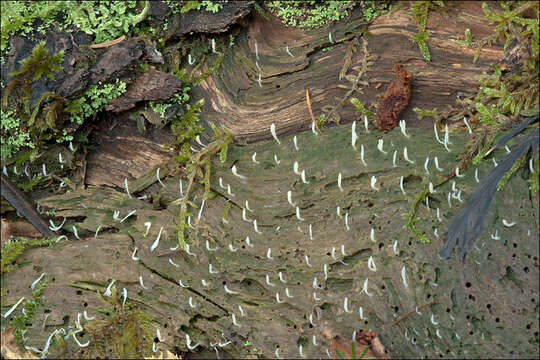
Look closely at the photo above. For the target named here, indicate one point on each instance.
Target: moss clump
(513, 20)
(420, 10)
(19, 126)
(195, 166)
(511, 172)
(13, 248)
(310, 14)
(412, 220)
(503, 95)
(32, 68)
(125, 333)
(13, 136)
(361, 108)
(19, 322)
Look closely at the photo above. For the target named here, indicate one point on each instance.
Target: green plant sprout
(19, 322)
(12, 136)
(93, 100)
(186, 6)
(420, 10)
(310, 14)
(159, 109)
(107, 20)
(509, 24)
(353, 352)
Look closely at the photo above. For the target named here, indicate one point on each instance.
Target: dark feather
(466, 226)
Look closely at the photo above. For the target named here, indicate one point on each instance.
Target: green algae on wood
(244, 271)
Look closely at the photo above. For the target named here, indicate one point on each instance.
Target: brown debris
(10, 349)
(364, 339)
(151, 85)
(209, 22)
(395, 100)
(417, 309)
(108, 43)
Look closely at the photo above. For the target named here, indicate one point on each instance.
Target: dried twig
(311, 113)
(108, 43)
(416, 310)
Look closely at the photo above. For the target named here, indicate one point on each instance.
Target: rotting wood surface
(235, 99)
(480, 307)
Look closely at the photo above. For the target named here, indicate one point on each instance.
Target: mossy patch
(125, 333)
(15, 247)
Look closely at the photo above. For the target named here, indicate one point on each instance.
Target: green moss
(13, 248)
(412, 220)
(503, 95)
(186, 128)
(422, 113)
(310, 14)
(39, 64)
(361, 108)
(125, 333)
(93, 100)
(420, 10)
(518, 164)
(20, 125)
(506, 95)
(19, 322)
(13, 136)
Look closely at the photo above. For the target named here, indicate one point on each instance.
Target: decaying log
(270, 288)
(479, 308)
(235, 99)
